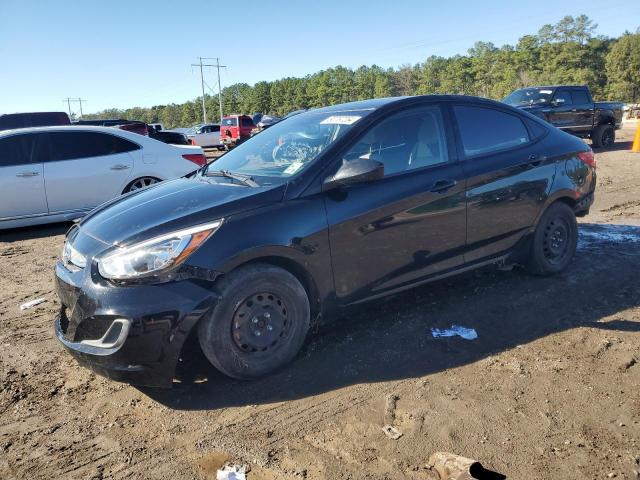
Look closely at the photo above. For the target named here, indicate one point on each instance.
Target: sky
(139, 53)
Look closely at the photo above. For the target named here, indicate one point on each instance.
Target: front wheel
(259, 323)
(554, 241)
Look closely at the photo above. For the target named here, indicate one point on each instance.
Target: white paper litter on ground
(32, 303)
(232, 472)
(391, 432)
(464, 332)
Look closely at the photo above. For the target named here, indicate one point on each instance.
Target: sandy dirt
(549, 390)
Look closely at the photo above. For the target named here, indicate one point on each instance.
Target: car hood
(172, 205)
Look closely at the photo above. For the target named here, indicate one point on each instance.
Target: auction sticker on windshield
(340, 120)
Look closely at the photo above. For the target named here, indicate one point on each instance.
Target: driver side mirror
(359, 170)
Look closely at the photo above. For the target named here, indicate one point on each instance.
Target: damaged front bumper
(132, 333)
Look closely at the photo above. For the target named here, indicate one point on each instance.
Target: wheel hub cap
(556, 240)
(260, 323)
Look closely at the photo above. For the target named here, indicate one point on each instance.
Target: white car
(55, 174)
(207, 135)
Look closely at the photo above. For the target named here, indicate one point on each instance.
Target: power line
(218, 66)
(78, 100)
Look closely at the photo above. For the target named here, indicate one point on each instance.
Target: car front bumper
(131, 333)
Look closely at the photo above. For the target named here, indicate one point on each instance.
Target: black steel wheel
(258, 325)
(554, 241)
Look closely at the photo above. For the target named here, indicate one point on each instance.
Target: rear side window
(230, 122)
(215, 128)
(16, 150)
(580, 97)
(73, 145)
(563, 97)
(484, 130)
(247, 122)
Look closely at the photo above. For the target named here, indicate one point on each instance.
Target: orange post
(636, 140)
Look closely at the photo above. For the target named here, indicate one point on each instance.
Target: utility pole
(68, 105)
(69, 100)
(218, 66)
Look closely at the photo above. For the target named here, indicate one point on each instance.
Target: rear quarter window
(484, 130)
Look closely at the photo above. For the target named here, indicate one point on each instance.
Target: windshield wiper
(244, 179)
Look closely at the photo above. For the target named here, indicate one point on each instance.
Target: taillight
(197, 158)
(588, 158)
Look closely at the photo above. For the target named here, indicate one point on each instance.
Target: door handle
(27, 174)
(119, 167)
(535, 160)
(574, 110)
(441, 186)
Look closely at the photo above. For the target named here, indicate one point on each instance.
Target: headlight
(153, 255)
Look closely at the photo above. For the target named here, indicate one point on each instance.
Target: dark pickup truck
(571, 109)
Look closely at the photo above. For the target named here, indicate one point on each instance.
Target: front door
(85, 168)
(563, 114)
(21, 178)
(394, 232)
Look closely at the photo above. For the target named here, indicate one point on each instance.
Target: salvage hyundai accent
(325, 209)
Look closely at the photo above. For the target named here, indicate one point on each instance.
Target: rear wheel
(603, 136)
(139, 183)
(258, 325)
(554, 241)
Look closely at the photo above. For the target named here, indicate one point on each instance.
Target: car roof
(377, 103)
(134, 137)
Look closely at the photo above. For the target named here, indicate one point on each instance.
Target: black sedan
(326, 209)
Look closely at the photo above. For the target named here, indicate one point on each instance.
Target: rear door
(582, 109)
(85, 168)
(508, 176)
(394, 232)
(21, 177)
(246, 125)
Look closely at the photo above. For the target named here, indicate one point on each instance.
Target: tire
(554, 241)
(603, 136)
(259, 324)
(140, 183)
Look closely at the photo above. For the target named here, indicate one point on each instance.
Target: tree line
(568, 52)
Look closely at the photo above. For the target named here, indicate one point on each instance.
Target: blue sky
(138, 53)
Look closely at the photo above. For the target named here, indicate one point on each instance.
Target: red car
(235, 129)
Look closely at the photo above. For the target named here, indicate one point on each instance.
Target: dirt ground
(548, 390)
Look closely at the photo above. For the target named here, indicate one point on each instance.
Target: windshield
(529, 96)
(289, 146)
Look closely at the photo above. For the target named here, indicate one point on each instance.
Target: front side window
(484, 130)
(529, 96)
(82, 144)
(288, 147)
(405, 141)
